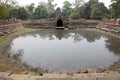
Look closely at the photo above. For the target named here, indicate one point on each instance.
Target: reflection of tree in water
(113, 45)
(90, 36)
(17, 55)
(60, 34)
(77, 35)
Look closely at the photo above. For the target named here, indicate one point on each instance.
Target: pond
(70, 50)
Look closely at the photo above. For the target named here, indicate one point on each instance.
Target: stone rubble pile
(112, 21)
(7, 29)
(109, 28)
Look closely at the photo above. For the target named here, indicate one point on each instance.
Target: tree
(40, 11)
(50, 8)
(96, 13)
(23, 14)
(30, 8)
(115, 8)
(74, 16)
(78, 3)
(93, 9)
(99, 11)
(85, 10)
(104, 10)
(20, 13)
(7, 6)
(9, 2)
(4, 12)
(14, 13)
(66, 9)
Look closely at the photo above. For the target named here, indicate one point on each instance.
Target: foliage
(9, 2)
(66, 9)
(96, 13)
(99, 11)
(74, 16)
(115, 8)
(40, 11)
(20, 13)
(50, 9)
(91, 9)
(4, 12)
(30, 10)
(23, 14)
(5, 8)
(78, 3)
(88, 7)
(30, 7)
(14, 13)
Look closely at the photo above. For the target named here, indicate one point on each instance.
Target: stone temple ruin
(59, 22)
(59, 19)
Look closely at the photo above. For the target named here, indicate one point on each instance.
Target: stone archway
(59, 23)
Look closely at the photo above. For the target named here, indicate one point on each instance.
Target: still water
(60, 50)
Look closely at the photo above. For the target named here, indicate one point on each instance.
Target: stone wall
(45, 24)
(8, 21)
(10, 28)
(50, 24)
(109, 28)
(112, 21)
(83, 23)
(38, 24)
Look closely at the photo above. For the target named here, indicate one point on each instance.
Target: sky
(59, 2)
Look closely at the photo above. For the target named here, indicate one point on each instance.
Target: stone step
(3, 75)
(50, 76)
(59, 27)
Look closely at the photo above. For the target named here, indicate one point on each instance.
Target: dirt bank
(113, 67)
(6, 62)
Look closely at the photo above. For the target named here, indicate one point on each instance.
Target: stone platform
(59, 27)
(62, 76)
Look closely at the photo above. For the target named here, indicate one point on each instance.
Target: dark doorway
(59, 23)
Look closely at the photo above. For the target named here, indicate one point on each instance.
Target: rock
(64, 72)
(3, 75)
(82, 71)
(1, 33)
(71, 27)
(25, 72)
(90, 71)
(8, 79)
(87, 71)
(10, 72)
(66, 28)
(113, 73)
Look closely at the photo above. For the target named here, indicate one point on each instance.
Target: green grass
(24, 30)
(2, 39)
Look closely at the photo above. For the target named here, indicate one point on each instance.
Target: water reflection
(77, 35)
(18, 55)
(67, 49)
(113, 45)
